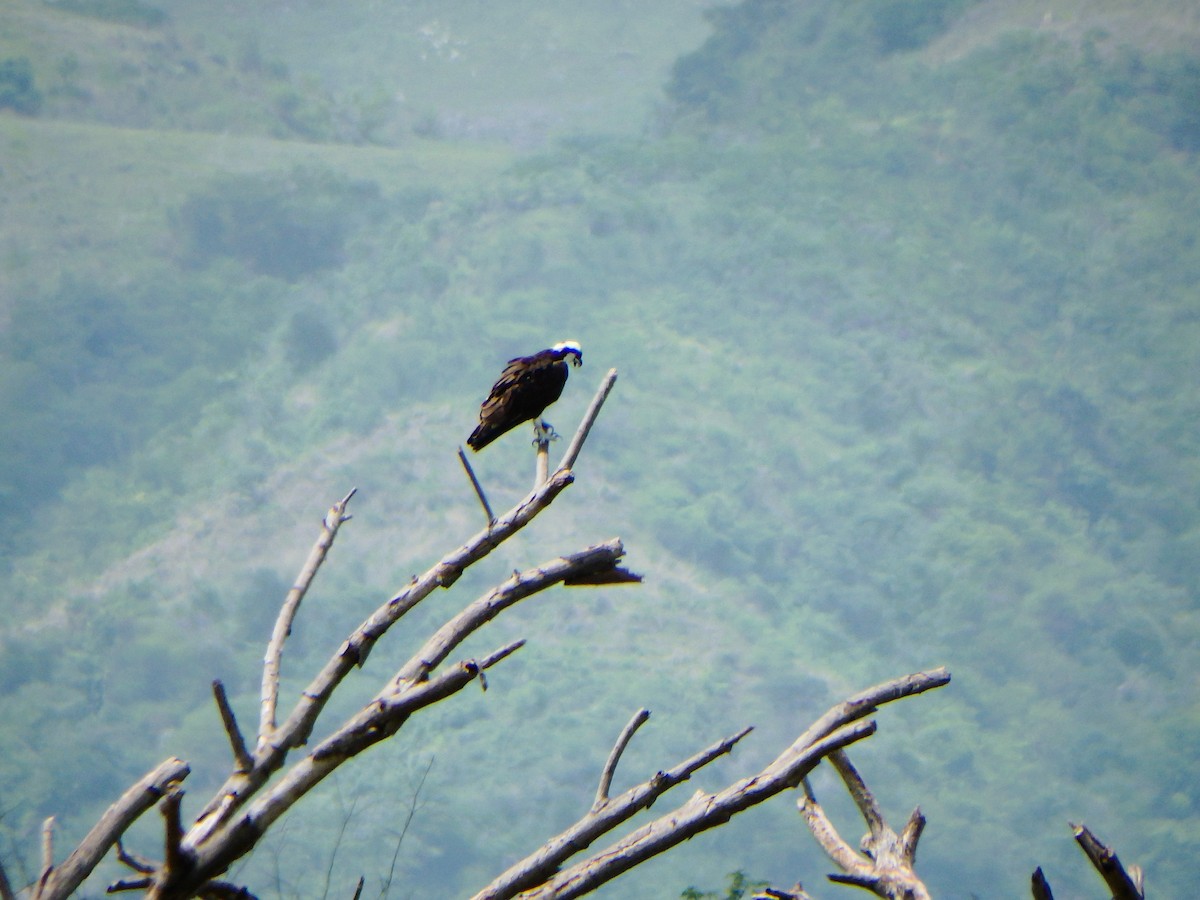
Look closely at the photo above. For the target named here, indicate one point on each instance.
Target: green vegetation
(739, 886)
(17, 91)
(124, 12)
(905, 314)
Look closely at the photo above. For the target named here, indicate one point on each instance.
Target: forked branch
(144, 794)
(540, 876)
(885, 864)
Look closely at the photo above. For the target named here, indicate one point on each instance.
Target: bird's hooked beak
(576, 359)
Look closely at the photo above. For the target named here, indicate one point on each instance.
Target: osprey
(525, 388)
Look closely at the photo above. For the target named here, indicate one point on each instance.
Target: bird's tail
(481, 437)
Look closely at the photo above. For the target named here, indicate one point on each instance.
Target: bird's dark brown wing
(522, 392)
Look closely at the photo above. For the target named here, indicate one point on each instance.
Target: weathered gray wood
(251, 800)
(334, 519)
(539, 875)
(241, 756)
(64, 879)
(885, 864)
(483, 501)
(1125, 885)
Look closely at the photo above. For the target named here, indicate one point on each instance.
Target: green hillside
(904, 304)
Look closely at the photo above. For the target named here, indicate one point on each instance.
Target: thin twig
(241, 756)
(338, 843)
(585, 426)
(487, 509)
(135, 862)
(412, 811)
(47, 852)
(610, 766)
(541, 465)
(358, 890)
(130, 884)
(283, 623)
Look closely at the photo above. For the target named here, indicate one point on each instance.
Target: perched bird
(525, 388)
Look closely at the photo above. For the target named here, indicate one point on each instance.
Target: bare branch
(1124, 885)
(118, 817)
(886, 864)
(287, 614)
(379, 720)
(241, 756)
(823, 830)
(700, 813)
(412, 811)
(47, 853)
(610, 766)
(913, 829)
(131, 884)
(243, 807)
(1039, 886)
(518, 587)
(487, 509)
(541, 465)
(174, 860)
(868, 807)
(796, 893)
(585, 426)
(294, 732)
(135, 862)
(545, 861)
(538, 875)
(443, 574)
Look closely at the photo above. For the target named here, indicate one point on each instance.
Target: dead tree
(277, 768)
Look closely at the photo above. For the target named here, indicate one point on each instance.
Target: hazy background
(905, 298)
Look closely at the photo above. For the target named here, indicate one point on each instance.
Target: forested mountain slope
(905, 310)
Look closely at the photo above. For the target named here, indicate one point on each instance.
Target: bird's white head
(572, 349)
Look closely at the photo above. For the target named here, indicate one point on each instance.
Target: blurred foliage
(17, 89)
(739, 886)
(285, 227)
(125, 12)
(905, 350)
